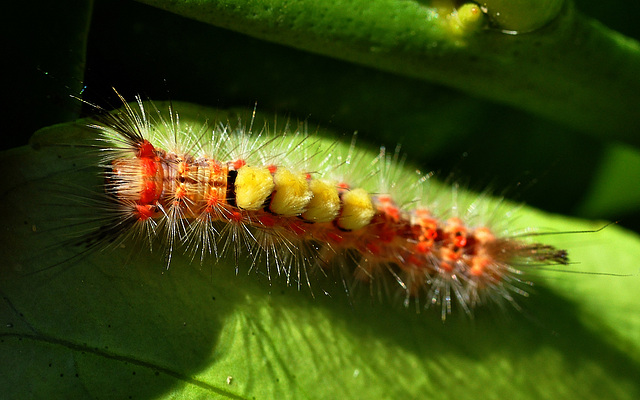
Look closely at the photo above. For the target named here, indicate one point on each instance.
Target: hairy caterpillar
(295, 207)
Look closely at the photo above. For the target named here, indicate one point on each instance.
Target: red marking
(393, 212)
(428, 226)
(215, 167)
(456, 232)
(272, 169)
(212, 201)
(415, 260)
(145, 150)
(267, 220)
(388, 208)
(449, 255)
(148, 193)
(460, 241)
(183, 168)
(446, 267)
(431, 234)
(386, 234)
(236, 216)
(149, 167)
(144, 211)
(374, 249)
(335, 237)
(423, 247)
(343, 185)
(307, 176)
(238, 164)
(181, 191)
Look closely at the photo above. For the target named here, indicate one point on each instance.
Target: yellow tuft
(291, 195)
(253, 186)
(357, 210)
(324, 206)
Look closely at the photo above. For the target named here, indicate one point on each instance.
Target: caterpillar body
(290, 204)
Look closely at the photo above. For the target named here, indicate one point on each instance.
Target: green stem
(573, 70)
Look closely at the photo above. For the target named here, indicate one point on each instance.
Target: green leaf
(108, 315)
(117, 324)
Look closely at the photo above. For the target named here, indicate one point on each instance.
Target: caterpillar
(293, 206)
